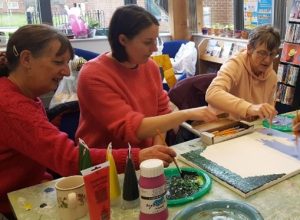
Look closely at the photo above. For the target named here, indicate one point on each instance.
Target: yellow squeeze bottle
(114, 186)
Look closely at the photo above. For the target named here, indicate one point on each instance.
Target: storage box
(226, 132)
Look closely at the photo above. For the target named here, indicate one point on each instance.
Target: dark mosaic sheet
(244, 185)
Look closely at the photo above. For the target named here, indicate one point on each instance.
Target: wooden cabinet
(213, 51)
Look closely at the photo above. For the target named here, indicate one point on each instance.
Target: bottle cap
(152, 168)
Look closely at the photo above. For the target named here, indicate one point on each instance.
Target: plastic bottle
(152, 182)
(130, 185)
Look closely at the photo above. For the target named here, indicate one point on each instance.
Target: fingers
(166, 150)
(209, 115)
(296, 127)
(264, 110)
(164, 153)
(268, 111)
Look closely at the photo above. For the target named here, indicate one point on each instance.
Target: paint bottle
(152, 182)
(130, 186)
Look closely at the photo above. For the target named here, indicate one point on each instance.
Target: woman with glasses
(245, 85)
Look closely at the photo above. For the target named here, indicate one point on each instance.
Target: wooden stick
(174, 160)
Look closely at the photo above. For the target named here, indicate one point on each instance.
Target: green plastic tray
(286, 127)
(205, 188)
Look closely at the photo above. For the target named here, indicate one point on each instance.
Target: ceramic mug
(71, 198)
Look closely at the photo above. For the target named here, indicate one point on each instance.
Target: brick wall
(22, 7)
(221, 11)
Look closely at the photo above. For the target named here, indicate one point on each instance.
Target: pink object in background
(78, 26)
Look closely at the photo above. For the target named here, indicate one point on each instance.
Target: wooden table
(281, 201)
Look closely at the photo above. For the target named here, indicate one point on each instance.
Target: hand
(164, 153)
(201, 114)
(296, 127)
(264, 110)
(296, 124)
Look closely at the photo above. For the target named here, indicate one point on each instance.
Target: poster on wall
(257, 12)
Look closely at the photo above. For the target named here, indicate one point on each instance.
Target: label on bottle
(153, 200)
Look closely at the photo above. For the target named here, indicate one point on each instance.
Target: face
(261, 58)
(47, 70)
(141, 47)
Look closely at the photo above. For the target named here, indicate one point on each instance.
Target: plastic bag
(67, 89)
(185, 59)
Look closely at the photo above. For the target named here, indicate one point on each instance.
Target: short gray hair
(265, 34)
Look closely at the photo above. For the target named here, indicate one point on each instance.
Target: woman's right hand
(263, 110)
(200, 114)
(162, 152)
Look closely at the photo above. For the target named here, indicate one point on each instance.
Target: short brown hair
(35, 38)
(129, 20)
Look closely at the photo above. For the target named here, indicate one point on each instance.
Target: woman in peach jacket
(245, 85)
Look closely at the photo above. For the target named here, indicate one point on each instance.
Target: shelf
(209, 58)
(293, 64)
(221, 48)
(286, 84)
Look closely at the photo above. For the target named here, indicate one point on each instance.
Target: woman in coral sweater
(120, 92)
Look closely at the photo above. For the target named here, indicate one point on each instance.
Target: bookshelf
(288, 69)
(214, 51)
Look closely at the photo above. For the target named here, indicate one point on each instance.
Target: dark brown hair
(34, 38)
(265, 34)
(129, 20)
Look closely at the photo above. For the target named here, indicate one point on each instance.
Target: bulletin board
(257, 12)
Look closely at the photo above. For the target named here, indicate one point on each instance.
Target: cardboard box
(225, 132)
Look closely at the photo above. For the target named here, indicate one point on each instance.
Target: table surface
(280, 201)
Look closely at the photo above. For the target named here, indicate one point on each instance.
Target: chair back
(172, 47)
(88, 55)
(65, 116)
(190, 92)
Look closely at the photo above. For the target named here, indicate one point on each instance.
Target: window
(12, 5)
(101, 12)
(12, 12)
(217, 13)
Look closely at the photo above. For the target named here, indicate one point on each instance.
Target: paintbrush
(295, 129)
(174, 160)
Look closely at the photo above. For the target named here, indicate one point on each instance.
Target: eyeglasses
(262, 54)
